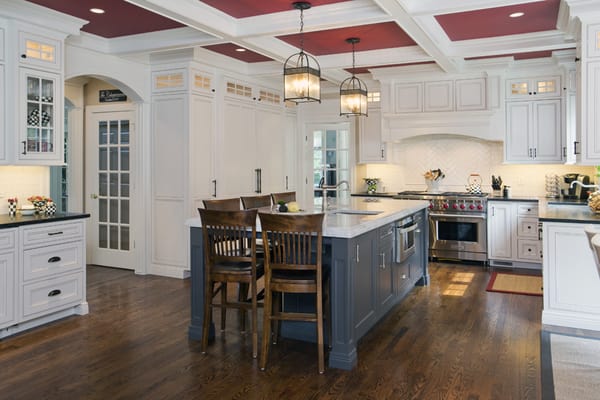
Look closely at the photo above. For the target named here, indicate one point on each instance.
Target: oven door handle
(406, 230)
(478, 216)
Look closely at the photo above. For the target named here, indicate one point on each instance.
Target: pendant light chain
(353, 59)
(302, 30)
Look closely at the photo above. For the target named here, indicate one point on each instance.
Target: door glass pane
(125, 185)
(331, 139)
(114, 185)
(114, 132)
(114, 158)
(114, 237)
(103, 184)
(102, 236)
(124, 132)
(102, 210)
(124, 238)
(102, 159)
(102, 132)
(124, 211)
(124, 158)
(114, 210)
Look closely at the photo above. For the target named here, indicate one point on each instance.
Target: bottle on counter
(506, 191)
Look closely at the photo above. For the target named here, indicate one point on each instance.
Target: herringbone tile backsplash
(458, 157)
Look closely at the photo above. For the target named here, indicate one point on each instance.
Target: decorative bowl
(28, 211)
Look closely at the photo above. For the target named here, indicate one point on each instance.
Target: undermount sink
(357, 212)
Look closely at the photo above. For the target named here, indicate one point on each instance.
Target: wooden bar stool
(293, 264)
(249, 202)
(286, 197)
(222, 204)
(229, 256)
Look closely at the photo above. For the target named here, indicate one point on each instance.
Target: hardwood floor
(439, 343)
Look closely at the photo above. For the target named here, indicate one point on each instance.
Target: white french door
(109, 136)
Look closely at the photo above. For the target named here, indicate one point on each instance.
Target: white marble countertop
(348, 226)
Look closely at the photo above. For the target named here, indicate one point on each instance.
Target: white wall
(458, 157)
(22, 182)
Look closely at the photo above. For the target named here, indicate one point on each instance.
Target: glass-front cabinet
(40, 117)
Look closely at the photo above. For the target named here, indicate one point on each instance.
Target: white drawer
(530, 250)
(52, 294)
(7, 239)
(527, 227)
(46, 234)
(530, 209)
(52, 260)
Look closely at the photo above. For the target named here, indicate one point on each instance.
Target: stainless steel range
(457, 224)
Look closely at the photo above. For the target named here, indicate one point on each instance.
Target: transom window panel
(113, 184)
(40, 51)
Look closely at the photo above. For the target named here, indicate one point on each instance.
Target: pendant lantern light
(353, 91)
(301, 72)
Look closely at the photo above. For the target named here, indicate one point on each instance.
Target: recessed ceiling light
(240, 49)
(517, 14)
(97, 10)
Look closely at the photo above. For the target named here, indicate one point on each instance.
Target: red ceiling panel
(333, 41)
(120, 18)
(251, 8)
(231, 50)
(539, 16)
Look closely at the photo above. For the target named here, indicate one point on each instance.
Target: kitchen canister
(50, 208)
(506, 191)
(12, 209)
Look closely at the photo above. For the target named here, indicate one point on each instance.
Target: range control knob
(471, 206)
(431, 206)
(455, 206)
(462, 206)
(445, 205)
(480, 206)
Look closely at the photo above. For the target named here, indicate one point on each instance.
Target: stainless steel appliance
(457, 224)
(405, 242)
(576, 192)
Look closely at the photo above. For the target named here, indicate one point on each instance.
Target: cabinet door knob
(23, 55)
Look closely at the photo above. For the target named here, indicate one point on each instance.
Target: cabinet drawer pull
(54, 259)
(54, 292)
(55, 233)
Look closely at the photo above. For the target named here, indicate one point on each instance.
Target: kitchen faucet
(326, 188)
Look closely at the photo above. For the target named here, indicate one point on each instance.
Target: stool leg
(223, 305)
(242, 297)
(266, 339)
(277, 310)
(254, 319)
(208, 291)
(320, 331)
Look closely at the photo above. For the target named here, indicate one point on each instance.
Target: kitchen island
(359, 256)
(571, 281)
(42, 269)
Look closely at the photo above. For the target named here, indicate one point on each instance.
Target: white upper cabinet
(40, 116)
(439, 96)
(533, 88)
(371, 148)
(593, 41)
(588, 129)
(533, 132)
(39, 51)
(408, 97)
(470, 94)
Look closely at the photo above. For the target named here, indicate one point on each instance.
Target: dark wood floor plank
(133, 345)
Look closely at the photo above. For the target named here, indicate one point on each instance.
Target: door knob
(94, 196)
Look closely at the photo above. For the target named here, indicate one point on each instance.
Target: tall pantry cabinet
(213, 136)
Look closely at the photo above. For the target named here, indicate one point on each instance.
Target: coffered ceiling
(450, 34)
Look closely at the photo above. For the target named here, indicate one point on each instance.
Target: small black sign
(108, 96)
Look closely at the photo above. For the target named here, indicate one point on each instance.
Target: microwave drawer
(52, 294)
(46, 234)
(46, 261)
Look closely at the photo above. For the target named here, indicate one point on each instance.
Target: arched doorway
(103, 168)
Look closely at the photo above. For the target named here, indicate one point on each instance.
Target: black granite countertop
(7, 221)
(514, 198)
(568, 213)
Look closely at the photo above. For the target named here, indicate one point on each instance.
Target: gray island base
(367, 275)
